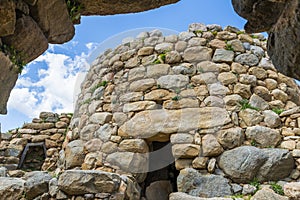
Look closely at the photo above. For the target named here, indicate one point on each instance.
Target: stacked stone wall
(44, 137)
(212, 93)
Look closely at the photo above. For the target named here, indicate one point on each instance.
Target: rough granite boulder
(36, 183)
(129, 162)
(11, 188)
(263, 136)
(292, 190)
(159, 190)
(77, 182)
(268, 194)
(58, 28)
(74, 153)
(102, 7)
(279, 165)
(192, 182)
(28, 39)
(184, 196)
(8, 77)
(242, 163)
(7, 17)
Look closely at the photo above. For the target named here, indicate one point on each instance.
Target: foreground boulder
(292, 190)
(184, 196)
(81, 182)
(192, 182)
(76, 182)
(36, 183)
(268, 194)
(279, 165)
(243, 164)
(11, 188)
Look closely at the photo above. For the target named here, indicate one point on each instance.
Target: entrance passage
(33, 157)
(162, 175)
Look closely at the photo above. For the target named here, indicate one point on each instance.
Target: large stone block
(279, 165)
(194, 183)
(11, 188)
(53, 18)
(147, 124)
(74, 154)
(242, 164)
(8, 78)
(7, 17)
(129, 161)
(28, 39)
(103, 7)
(79, 182)
(292, 190)
(36, 183)
(263, 136)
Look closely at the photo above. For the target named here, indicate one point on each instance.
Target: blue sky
(48, 83)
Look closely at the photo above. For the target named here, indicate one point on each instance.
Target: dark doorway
(162, 173)
(33, 157)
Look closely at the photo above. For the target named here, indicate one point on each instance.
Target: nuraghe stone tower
(198, 115)
(210, 96)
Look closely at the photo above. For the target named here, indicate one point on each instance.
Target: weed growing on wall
(161, 59)
(278, 111)
(245, 104)
(74, 8)
(14, 56)
(256, 184)
(277, 188)
(229, 47)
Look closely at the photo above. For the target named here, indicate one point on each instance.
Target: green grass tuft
(254, 143)
(256, 184)
(240, 32)
(15, 56)
(197, 32)
(277, 188)
(74, 8)
(278, 111)
(176, 98)
(229, 47)
(245, 104)
(161, 59)
(214, 32)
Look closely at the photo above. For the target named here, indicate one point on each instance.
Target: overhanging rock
(280, 19)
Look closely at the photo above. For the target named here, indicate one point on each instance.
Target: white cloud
(91, 45)
(53, 89)
(24, 100)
